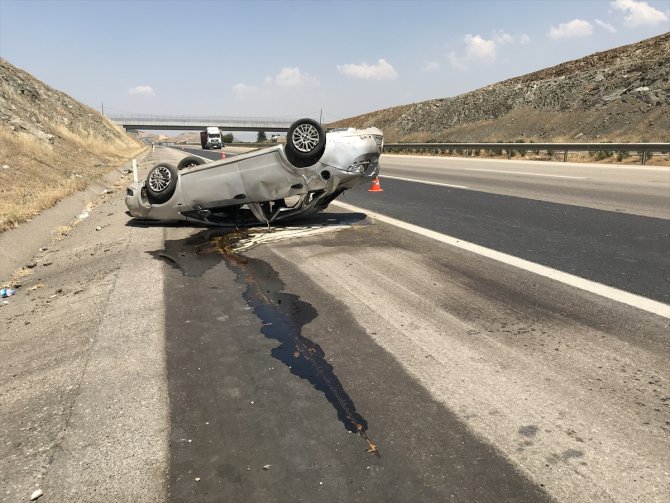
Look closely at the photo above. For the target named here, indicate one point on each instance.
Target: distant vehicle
(299, 177)
(211, 138)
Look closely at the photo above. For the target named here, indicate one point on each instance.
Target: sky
(291, 59)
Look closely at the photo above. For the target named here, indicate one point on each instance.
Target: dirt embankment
(618, 95)
(50, 146)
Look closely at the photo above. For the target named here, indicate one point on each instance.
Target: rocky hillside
(50, 145)
(618, 95)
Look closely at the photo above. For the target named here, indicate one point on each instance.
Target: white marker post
(135, 171)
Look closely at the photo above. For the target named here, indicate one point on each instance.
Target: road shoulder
(83, 401)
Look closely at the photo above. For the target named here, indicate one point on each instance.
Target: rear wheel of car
(189, 162)
(305, 143)
(161, 182)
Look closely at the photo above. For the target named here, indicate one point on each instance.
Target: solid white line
(424, 181)
(524, 173)
(608, 292)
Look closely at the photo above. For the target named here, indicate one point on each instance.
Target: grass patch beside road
(35, 175)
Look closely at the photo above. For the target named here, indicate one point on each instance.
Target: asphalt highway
(626, 251)
(609, 224)
(633, 189)
(270, 375)
(351, 356)
(292, 365)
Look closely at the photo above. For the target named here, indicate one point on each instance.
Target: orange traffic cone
(375, 186)
(223, 153)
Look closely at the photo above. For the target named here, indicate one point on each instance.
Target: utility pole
(103, 108)
(321, 116)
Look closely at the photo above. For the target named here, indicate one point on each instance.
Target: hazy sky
(294, 58)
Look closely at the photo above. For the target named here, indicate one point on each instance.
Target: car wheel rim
(305, 138)
(160, 179)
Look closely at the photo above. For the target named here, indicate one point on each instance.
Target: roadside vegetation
(50, 146)
(35, 175)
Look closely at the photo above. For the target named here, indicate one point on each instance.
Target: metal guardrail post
(565, 155)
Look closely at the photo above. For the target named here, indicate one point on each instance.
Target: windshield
(213, 135)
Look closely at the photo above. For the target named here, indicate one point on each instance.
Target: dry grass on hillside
(35, 175)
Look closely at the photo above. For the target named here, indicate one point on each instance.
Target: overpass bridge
(183, 123)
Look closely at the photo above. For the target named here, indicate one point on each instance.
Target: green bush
(522, 151)
(601, 154)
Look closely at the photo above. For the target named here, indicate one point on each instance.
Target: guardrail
(644, 150)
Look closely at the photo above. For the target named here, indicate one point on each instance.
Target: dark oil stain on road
(282, 315)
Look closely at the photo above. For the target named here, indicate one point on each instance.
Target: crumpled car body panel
(262, 185)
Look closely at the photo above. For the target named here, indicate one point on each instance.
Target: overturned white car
(266, 185)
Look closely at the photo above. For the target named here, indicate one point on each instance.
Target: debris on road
(7, 292)
(244, 240)
(36, 494)
(56, 293)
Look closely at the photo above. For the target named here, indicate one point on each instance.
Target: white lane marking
(424, 181)
(608, 292)
(524, 173)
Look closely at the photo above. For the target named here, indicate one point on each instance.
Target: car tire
(190, 161)
(161, 183)
(305, 143)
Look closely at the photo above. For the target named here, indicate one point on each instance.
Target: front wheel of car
(189, 161)
(161, 183)
(305, 143)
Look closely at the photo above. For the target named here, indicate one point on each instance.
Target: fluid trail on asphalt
(282, 316)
